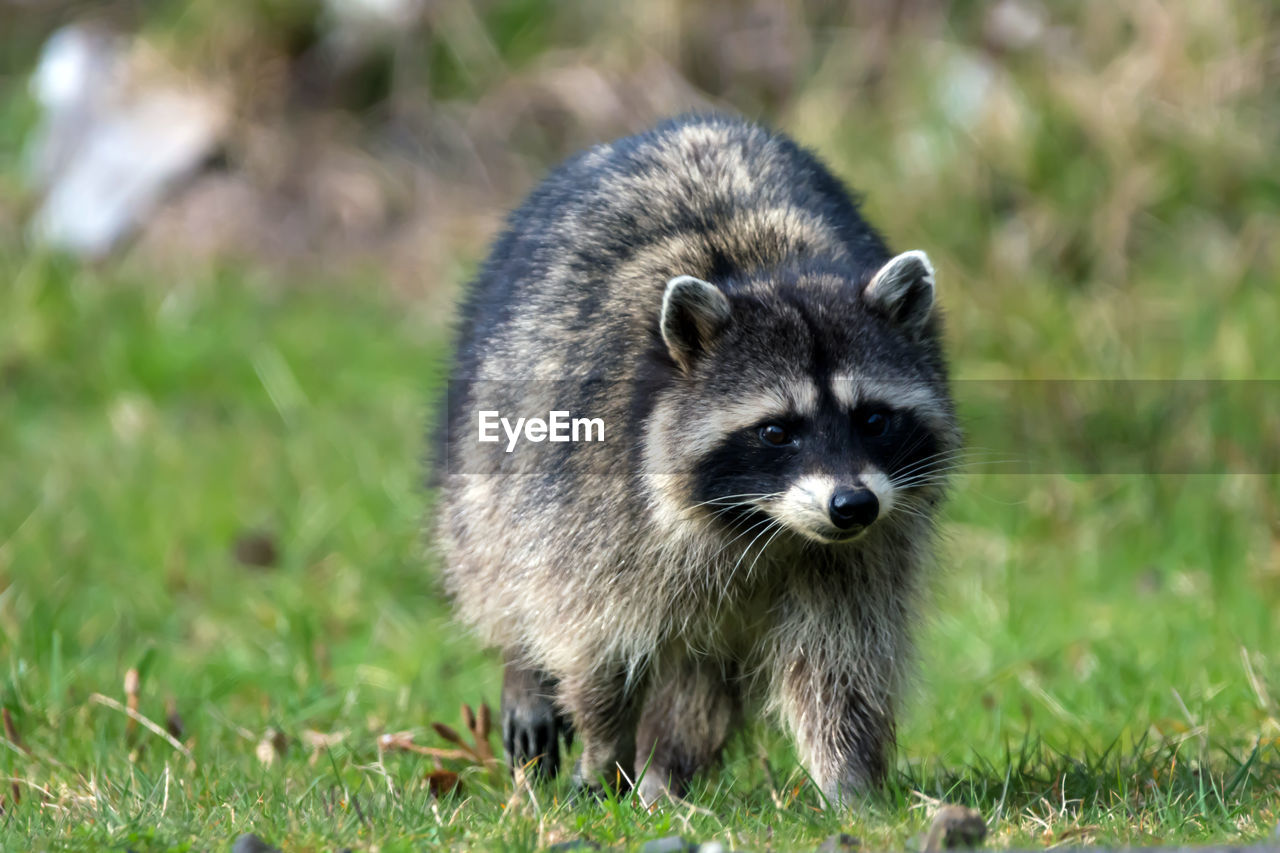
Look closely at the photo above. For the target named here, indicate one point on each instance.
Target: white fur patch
(881, 486)
(803, 507)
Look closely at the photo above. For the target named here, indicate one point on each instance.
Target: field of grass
(212, 478)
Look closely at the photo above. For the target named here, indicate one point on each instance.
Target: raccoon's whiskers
(734, 505)
(936, 472)
(724, 498)
(747, 550)
(763, 526)
(947, 460)
(750, 528)
(910, 506)
(728, 504)
(906, 449)
(728, 509)
(765, 547)
(932, 470)
(928, 478)
(942, 458)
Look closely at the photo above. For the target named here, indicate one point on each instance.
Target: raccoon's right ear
(693, 313)
(903, 289)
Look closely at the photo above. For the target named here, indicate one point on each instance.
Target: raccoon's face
(811, 406)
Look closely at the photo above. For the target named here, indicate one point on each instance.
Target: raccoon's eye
(873, 423)
(775, 435)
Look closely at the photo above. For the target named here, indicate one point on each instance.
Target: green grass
(1101, 665)
(1084, 679)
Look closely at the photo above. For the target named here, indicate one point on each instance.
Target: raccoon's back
(574, 285)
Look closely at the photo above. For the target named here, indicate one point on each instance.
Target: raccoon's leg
(531, 723)
(605, 707)
(687, 718)
(843, 727)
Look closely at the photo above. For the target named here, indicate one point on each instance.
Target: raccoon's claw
(531, 731)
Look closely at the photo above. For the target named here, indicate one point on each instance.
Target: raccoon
(753, 535)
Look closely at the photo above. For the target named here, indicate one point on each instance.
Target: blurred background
(1020, 141)
(231, 235)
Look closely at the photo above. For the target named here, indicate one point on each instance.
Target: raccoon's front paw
(531, 732)
(599, 785)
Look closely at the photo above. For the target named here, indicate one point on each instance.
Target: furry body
(704, 288)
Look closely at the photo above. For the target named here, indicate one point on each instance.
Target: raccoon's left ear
(903, 289)
(693, 313)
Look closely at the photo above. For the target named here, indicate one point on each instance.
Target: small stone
(257, 549)
(955, 828)
(250, 843)
(670, 844)
(841, 842)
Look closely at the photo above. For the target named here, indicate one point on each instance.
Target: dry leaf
(272, 746)
(318, 742)
(321, 740)
(396, 740)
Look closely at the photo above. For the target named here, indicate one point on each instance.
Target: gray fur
(596, 572)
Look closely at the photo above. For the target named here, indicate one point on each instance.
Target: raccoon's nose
(853, 508)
